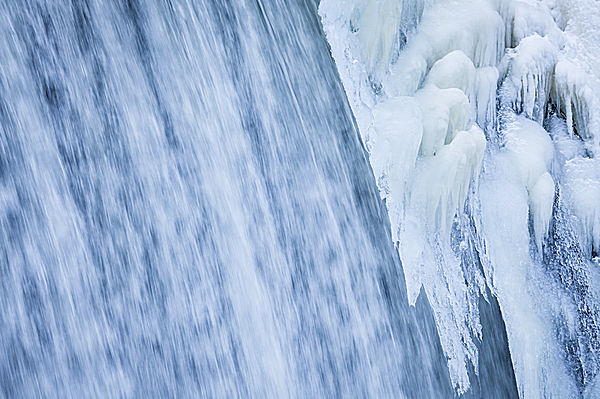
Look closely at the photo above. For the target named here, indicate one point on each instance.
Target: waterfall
(186, 210)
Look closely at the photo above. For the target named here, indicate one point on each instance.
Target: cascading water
(186, 211)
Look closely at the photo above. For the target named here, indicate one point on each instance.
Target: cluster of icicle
(429, 81)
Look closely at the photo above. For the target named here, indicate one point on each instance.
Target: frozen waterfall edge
(427, 80)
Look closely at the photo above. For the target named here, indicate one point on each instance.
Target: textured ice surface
(537, 194)
(393, 140)
(530, 75)
(582, 187)
(530, 151)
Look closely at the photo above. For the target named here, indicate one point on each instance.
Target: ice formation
(530, 151)
(576, 96)
(529, 76)
(583, 188)
(440, 88)
(394, 138)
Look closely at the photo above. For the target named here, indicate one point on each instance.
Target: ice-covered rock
(456, 70)
(541, 200)
(423, 81)
(382, 27)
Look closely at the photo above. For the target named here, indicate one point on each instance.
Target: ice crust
(429, 81)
